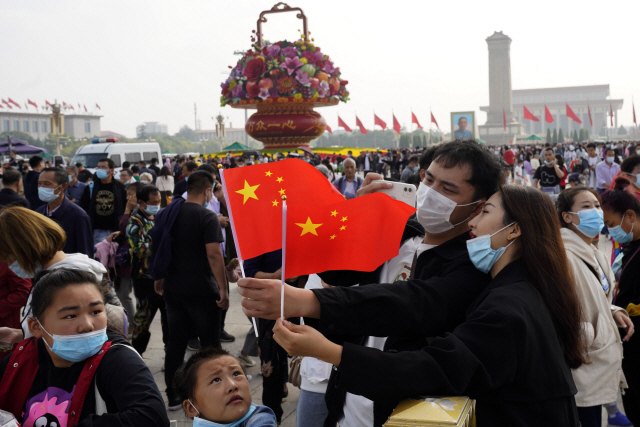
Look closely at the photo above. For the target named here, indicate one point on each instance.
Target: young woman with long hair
(513, 352)
(621, 210)
(581, 217)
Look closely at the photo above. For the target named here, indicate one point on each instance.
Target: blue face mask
(152, 209)
(591, 222)
(201, 422)
(548, 163)
(70, 178)
(76, 348)
(186, 179)
(101, 174)
(619, 235)
(482, 255)
(18, 271)
(47, 194)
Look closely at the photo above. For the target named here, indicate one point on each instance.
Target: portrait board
(463, 125)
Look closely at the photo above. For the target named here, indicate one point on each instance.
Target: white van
(119, 152)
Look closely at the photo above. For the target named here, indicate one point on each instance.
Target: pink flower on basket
(323, 88)
(328, 67)
(303, 78)
(273, 50)
(291, 64)
(264, 93)
(290, 52)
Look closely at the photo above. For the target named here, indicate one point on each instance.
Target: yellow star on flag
(334, 213)
(249, 192)
(344, 218)
(344, 227)
(332, 237)
(281, 191)
(279, 179)
(275, 202)
(268, 173)
(309, 227)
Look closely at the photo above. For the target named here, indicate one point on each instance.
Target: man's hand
(223, 302)
(112, 236)
(262, 299)
(625, 323)
(157, 285)
(132, 202)
(368, 187)
(224, 221)
(10, 335)
(300, 340)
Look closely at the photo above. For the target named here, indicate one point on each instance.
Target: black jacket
(30, 184)
(505, 352)
(76, 224)
(88, 201)
(180, 188)
(8, 197)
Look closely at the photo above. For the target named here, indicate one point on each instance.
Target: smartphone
(400, 191)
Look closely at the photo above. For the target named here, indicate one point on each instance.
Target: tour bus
(89, 155)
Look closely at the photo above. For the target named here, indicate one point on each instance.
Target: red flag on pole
(341, 231)
(433, 120)
(71, 106)
(4, 102)
(1, 106)
(378, 121)
(547, 115)
(85, 108)
(15, 103)
(26, 106)
(32, 103)
(328, 129)
(361, 126)
(590, 119)
(610, 106)
(504, 119)
(396, 124)
(529, 116)
(342, 124)
(414, 119)
(98, 107)
(260, 189)
(48, 103)
(572, 115)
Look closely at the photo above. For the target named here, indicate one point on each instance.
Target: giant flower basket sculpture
(285, 81)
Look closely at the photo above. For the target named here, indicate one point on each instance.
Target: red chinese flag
(98, 107)
(414, 119)
(4, 102)
(361, 126)
(547, 115)
(504, 119)
(342, 124)
(1, 106)
(529, 116)
(328, 129)
(433, 120)
(378, 121)
(396, 124)
(64, 104)
(30, 102)
(85, 108)
(48, 103)
(337, 236)
(610, 108)
(15, 103)
(254, 198)
(572, 115)
(71, 106)
(590, 119)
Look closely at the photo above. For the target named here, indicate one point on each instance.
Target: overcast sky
(152, 60)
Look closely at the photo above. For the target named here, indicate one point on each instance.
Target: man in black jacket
(104, 200)
(30, 183)
(181, 187)
(462, 173)
(11, 180)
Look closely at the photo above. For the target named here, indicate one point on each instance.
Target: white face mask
(434, 210)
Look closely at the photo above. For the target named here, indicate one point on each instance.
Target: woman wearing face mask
(598, 382)
(75, 370)
(35, 245)
(530, 306)
(621, 214)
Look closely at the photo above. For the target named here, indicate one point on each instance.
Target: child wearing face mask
(75, 370)
(215, 392)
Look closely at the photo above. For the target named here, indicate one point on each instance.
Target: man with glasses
(104, 201)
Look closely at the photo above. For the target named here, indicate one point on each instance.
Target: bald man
(348, 184)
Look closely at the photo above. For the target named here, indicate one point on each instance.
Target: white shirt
(358, 410)
(518, 174)
(592, 173)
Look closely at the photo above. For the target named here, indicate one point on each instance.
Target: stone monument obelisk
(500, 99)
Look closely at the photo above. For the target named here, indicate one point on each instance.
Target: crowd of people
(499, 292)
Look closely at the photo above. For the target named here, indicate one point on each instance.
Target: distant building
(109, 134)
(232, 135)
(155, 127)
(38, 127)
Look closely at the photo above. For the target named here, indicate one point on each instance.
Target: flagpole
(235, 239)
(284, 254)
